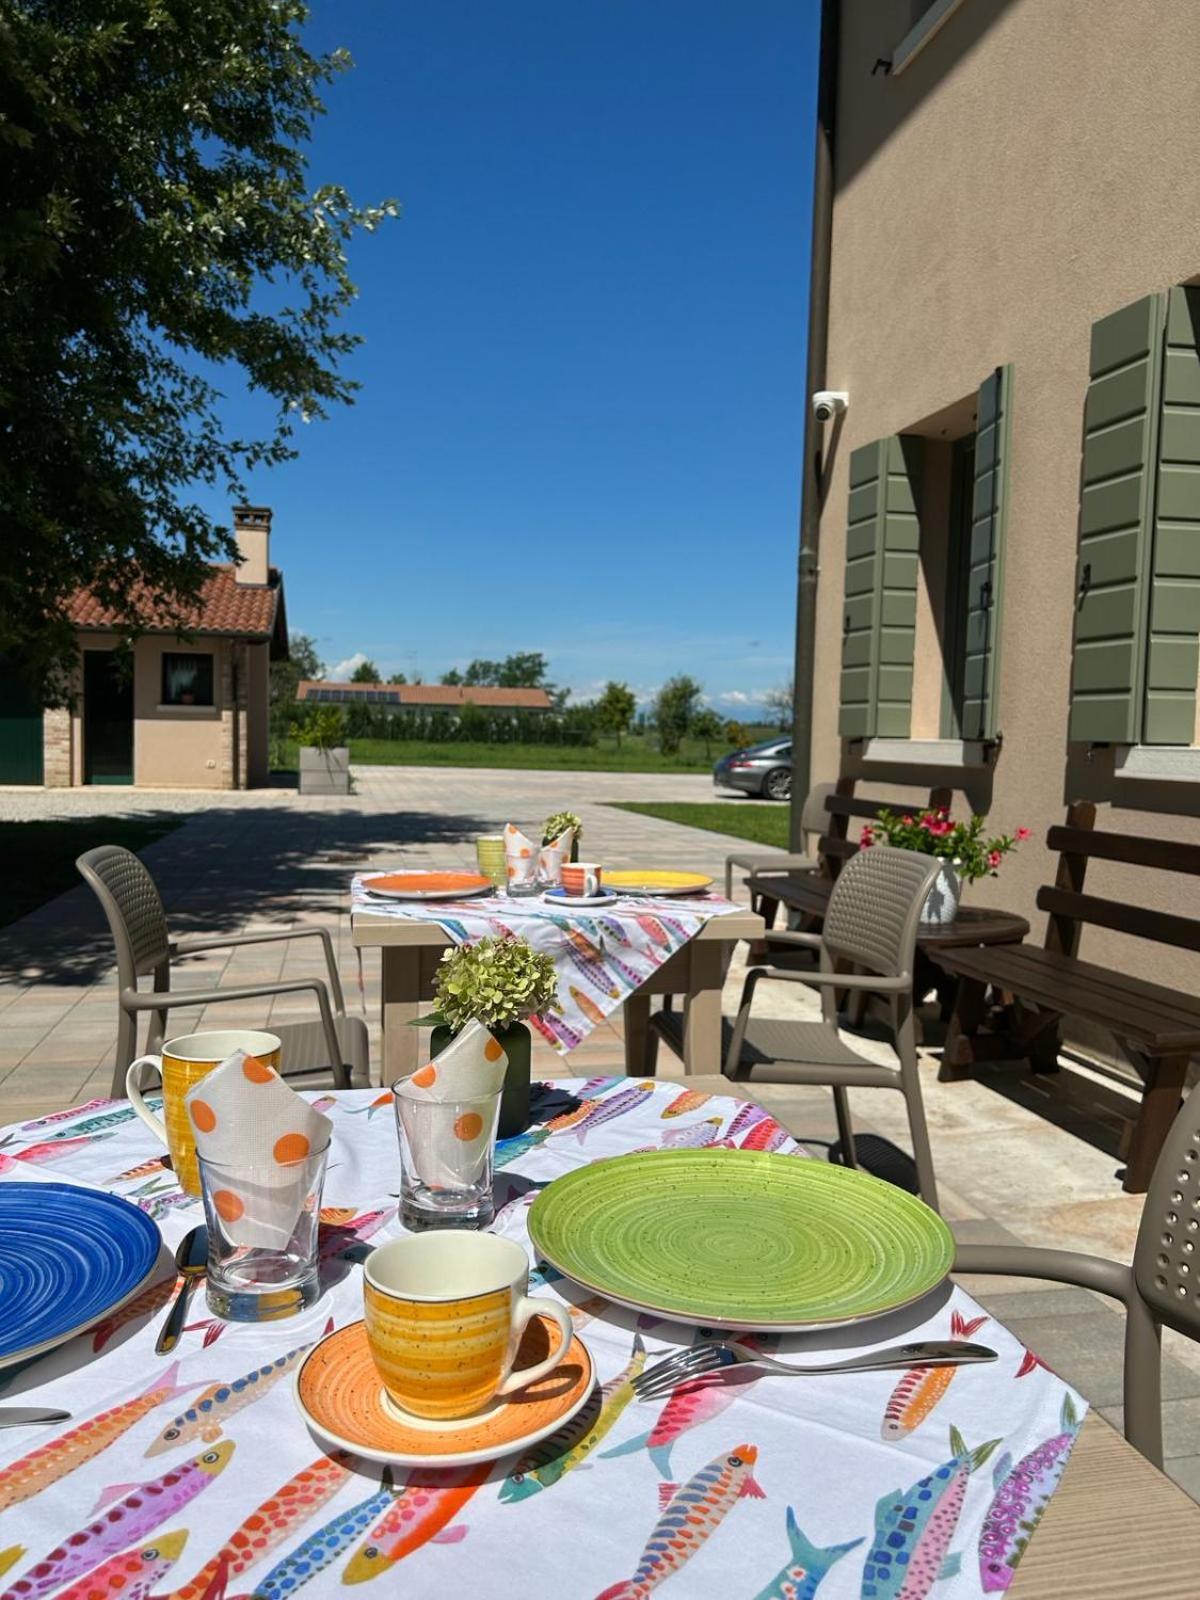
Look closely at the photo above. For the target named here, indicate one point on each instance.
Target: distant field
(635, 754)
(750, 819)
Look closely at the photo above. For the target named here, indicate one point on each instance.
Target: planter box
(324, 771)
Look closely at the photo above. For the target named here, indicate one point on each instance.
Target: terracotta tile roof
(226, 606)
(451, 695)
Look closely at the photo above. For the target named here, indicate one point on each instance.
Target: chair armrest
(837, 980)
(1057, 1266)
(191, 947)
(782, 864)
(133, 1000)
(790, 936)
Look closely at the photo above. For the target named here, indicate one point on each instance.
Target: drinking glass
(447, 1150)
(262, 1237)
(489, 853)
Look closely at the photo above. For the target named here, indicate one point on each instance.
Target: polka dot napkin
(453, 1106)
(521, 854)
(248, 1121)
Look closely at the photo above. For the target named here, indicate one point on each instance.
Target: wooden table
(410, 952)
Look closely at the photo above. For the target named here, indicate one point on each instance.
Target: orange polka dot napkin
(449, 1107)
(520, 855)
(247, 1119)
(470, 1066)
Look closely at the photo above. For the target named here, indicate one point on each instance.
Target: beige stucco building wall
(1034, 168)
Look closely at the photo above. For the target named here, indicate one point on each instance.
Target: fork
(716, 1354)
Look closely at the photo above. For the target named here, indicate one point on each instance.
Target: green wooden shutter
(985, 576)
(1120, 448)
(1173, 650)
(880, 613)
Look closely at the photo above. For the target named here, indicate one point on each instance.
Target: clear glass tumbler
(262, 1237)
(447, 1150)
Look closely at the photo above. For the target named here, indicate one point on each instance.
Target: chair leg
(126, 1051)
(910, 1087)
(1143, 1380)
(841, 1106)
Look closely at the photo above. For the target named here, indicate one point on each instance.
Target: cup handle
(526, 1308)
(591, 883)
(133, 1089)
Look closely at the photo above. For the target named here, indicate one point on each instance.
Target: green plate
(741, 1239)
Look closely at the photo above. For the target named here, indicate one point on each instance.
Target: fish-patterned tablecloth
(601, 953)
(194, 1478)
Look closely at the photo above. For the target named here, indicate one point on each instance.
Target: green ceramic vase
(514, 1100)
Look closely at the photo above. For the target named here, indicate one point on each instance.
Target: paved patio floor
(1019, 1160)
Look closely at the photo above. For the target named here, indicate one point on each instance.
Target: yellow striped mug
(444, 1314)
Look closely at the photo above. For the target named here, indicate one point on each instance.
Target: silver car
(764, 769)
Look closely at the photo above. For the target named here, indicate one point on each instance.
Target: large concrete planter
(324, 771)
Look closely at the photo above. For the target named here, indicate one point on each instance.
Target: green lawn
(39, 857)
(635, 754)
(749, 819)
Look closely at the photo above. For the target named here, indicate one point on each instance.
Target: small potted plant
(555, 826)
(499, 982)
(959, 846)
(324, 757)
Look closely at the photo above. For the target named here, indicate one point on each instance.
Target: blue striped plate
(68, 1257)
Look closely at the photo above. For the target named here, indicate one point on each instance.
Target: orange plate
(338, 1392)
(427, 885)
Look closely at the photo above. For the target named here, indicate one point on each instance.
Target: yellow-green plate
(639, 881)
(741, 1239)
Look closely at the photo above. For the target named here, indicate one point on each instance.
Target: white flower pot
(941, 903)
(324, 771)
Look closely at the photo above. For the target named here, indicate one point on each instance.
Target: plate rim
(571, 900)
(484, 887)
(777, 1325)
(459, 1458)
(676, 890)
(33, 1352)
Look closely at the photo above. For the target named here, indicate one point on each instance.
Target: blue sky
(579, 428)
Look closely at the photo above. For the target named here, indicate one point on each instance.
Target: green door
(20, 729)
(107, 719)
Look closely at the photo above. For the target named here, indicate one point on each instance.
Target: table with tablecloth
(838, 1484)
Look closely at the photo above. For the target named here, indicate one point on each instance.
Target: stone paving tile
(1020, 1160)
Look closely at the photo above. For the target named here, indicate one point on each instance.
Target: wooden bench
(1158, 1028)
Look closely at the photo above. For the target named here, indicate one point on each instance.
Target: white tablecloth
(832, 1499)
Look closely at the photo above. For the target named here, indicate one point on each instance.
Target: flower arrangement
(554, 827)
(496, 981)
(935, 833)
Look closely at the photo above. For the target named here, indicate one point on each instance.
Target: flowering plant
(554, 827)
(935, 833)
(495, 981)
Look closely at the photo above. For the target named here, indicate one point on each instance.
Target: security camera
(829, 403)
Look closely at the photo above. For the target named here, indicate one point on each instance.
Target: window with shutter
(1137, 612)
(985, 574)
(880, 601)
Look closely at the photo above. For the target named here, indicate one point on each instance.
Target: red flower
(866, 837)
(994, 858)
(1023, 833)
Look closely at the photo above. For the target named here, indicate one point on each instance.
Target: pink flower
(1023, 833)
(866, 837)
(908, 821)
(994, 858)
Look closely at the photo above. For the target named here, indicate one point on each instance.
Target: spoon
(22, 1416)
(191, 1259)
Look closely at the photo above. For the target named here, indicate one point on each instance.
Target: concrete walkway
(1018, 1160)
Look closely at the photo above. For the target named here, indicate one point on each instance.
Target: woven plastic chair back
(873, 910)
(1166, 1258)
(133, 907)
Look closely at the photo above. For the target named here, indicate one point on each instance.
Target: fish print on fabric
(32, 1473)
(91, 1125)
(126, 1521)
(10, 1557)
(144, 1304)
(586, 1004)
(555, 1030)
(270, 1524)
(592, 972)
(510, 1150)
(689, 1100)
(613, 1106)
(697, 1137)
(1022, 1494)
(1030, 1363)
(690, 1516)
(56, 1117)
(155, 1167)
(131, 1575)
(689, 1405)
(653, 927)
(206, 1417)
(746, 1118)
(41, 1155)
(914, 1527)
(321, 1549)
(807, 1567)
(380, 1103)
(544, 1465)
(158, 1206)
(920, 1388)
(421, 1513)
(766, 1136)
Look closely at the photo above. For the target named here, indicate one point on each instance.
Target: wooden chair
(335, 1043)
(1157, 1027)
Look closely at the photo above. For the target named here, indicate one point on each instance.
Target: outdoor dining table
(274, 1517)
(411, 947)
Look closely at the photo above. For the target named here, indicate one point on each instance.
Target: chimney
(252, 530)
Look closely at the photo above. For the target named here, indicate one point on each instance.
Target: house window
(187, 680)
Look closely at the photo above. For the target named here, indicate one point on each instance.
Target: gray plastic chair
(1161, 1288)
(814, 821)
(870, 927)
(131, 901)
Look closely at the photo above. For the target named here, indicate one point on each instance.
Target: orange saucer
(341, 1398)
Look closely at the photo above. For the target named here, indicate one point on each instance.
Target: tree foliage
(615, 708)
(285, 678)
(159, 241)
(780, 702)
(366, 672)
(708, 725)
(675, 707)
